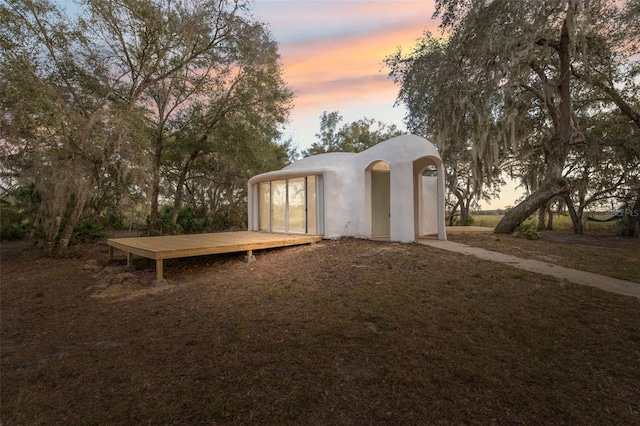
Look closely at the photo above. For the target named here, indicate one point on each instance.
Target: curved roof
(401, 149)
(321, 160)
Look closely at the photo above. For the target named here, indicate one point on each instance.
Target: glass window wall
(288, 205)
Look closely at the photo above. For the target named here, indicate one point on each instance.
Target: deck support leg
(111, 259)
(159, 281)
(249, 258)
(130, 266)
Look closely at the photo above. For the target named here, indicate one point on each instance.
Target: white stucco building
(394, 189)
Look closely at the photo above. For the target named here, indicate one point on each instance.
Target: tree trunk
(467, 214)
(549, 218)
(541, 212)
(452, 214)
(464, 214)
(177, 202)
(513, 218)
(554, 183)
(34, 226)
(52, 235)
(155, 194)
(576, 219)
(72, 221)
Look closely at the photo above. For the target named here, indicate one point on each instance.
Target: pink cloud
(367, 89)
(313, 69)
(333, 52)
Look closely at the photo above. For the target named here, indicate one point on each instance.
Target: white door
(380, 203)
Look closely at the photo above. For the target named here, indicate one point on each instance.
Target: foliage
(12, 226)
(188, 221)
(356, 136)
(206, 75)
(131, 101)
(606, 167)
(198, 220)
(629, 224)
(467, 221)
(87, 230)
(62, 138)
(228, 218)
(18, 213)
(462, 190)
(517, 81)
(528, 230)
(114, 220)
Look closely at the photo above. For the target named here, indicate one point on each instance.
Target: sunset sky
(333, 53)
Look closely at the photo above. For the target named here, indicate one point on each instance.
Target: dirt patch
(339, 332)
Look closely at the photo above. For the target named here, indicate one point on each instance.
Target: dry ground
(347, 332)
(617, 257)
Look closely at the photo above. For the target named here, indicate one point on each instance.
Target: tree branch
(625, 108)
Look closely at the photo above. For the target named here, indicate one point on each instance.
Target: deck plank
(175, 246)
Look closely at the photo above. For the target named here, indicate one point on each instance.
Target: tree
(243, 112)
(165, 56)
(463, 191)
(60, 137)
(606, 167)
(126, 98)
(505, 75)
(356, 136)
(427, 91)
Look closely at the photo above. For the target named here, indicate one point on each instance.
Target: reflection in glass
(264, 193)
(296, 199)
(288, 205)
(311, 205)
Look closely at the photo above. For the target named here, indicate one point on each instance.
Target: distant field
(560, 223)
(486, 220)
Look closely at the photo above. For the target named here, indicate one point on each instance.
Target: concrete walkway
(590, 279)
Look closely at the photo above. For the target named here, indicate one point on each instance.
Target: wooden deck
(175, 246)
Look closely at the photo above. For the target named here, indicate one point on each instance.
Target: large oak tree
(502, 77)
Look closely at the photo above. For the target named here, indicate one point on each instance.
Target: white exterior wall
(338, 205)
(402, 203)
(346, 195)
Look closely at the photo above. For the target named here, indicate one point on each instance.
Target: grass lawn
(598, 250)
(601, 254)
(346, 332)
(560, 223)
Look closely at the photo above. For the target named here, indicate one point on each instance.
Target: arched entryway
(428, 178)
(380, 174)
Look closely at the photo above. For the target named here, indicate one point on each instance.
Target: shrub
(87, 230)
(228, 218)
(470, 220)
(187, 222)
(12, 226)
(628, 225)
(527, 229)
(114, 220)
